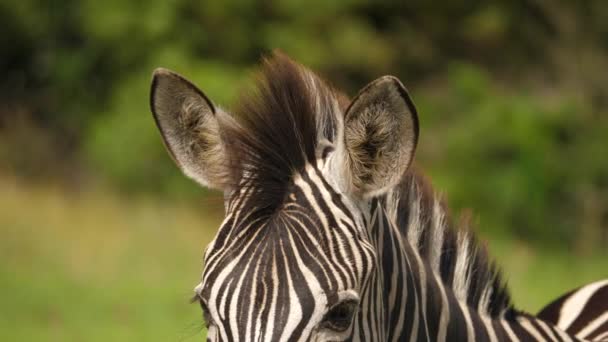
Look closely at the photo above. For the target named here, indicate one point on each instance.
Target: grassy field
(95, 266)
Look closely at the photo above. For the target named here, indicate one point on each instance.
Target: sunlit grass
(96, 266)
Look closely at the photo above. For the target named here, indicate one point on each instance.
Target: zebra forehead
(303, 220)
(308, 238)
(282, 255)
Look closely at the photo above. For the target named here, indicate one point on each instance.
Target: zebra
(331, 232)
(581, 312)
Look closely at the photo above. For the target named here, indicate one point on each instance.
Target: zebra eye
(340, 316)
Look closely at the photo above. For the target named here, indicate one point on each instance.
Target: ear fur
(380, 136)
(189, 125)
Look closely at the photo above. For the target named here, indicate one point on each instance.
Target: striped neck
(431, 278)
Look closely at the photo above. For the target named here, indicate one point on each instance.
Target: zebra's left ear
(380, 137)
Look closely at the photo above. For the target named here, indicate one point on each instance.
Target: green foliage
(511, 94)
(524, 166)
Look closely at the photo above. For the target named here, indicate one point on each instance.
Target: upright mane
(279, 127)
(278, 130)
(449, 246)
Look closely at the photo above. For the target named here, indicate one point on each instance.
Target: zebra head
(298, 163)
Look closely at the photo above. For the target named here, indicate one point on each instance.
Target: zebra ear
(188, 123)
(380, 136)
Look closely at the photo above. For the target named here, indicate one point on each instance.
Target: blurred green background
(101, 237)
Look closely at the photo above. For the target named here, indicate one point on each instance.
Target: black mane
(484, 273)
(277, 133)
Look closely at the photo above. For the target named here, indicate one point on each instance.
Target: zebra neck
(435, 284)
(418, 306)
(450, 252)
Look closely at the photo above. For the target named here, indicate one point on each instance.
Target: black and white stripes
(582, 312)
(330, 234)
(276, 276)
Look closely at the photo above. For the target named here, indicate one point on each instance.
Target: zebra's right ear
(189, 125)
